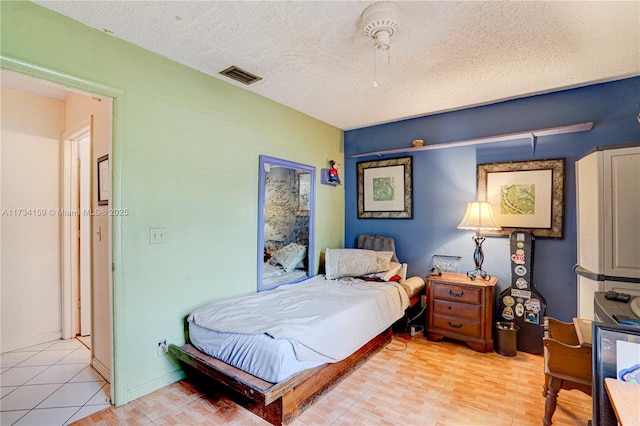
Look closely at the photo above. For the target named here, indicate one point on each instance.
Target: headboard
(378, 243)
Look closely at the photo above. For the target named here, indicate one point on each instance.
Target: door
(76, 231)
(84, 234)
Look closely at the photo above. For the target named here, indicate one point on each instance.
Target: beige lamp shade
(479, 217)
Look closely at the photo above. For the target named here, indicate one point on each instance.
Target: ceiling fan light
(381, 40)
(380, 21)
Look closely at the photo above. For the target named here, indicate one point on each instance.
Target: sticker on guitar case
(520, 270)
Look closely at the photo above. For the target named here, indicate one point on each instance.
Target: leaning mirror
(285, 223)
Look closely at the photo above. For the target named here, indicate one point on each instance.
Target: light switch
(157, 235)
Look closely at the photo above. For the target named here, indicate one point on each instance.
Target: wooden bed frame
(278, 403)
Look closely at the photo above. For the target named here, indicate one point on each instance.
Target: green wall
(185, 157)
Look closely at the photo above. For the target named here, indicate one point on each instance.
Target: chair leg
(553, 388)
(545, 387)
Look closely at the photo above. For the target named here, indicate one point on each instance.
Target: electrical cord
(389, 348)
(435, 271)
(418, 315)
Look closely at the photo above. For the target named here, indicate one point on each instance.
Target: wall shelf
(529, 134)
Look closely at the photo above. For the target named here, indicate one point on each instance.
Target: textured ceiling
(313, 56)
(27, 84)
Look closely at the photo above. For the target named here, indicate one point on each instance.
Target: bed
(280, 349)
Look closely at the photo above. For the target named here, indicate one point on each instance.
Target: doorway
(65, 126)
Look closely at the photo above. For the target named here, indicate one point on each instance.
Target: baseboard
(154, 385)
(102, 369)
(35, 340)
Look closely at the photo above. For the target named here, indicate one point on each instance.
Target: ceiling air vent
(240, 75)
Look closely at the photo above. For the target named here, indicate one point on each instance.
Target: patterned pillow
(289, 256)
(355, 262)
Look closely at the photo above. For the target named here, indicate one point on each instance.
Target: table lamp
(479, 218)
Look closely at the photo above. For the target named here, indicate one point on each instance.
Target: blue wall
(445, 180)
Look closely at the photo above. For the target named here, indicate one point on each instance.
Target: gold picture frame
(385, 189)
(525, 196)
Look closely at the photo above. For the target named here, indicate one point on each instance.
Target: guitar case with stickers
(521, 303)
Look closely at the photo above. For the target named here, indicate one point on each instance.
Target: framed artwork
(385, 189)
(103, 180)
(525, 196)
(446, 263)
(616, 354)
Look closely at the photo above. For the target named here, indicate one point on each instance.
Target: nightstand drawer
(459, 293)
(458, 310)
(457, 325)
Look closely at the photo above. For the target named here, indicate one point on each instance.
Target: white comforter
(325, 320)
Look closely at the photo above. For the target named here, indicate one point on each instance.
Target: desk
(625, 399)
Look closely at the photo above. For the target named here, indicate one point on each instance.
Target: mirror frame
(261, 203)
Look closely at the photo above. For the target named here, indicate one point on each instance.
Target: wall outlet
(157, 235)
(161, 347)
(416, 329)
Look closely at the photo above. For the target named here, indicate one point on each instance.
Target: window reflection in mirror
(286, 222)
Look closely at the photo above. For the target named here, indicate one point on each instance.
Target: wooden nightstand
(462, 309)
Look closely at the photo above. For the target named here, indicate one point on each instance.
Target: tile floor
(423, 384)
(51, 384)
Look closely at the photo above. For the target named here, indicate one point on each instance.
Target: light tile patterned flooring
(51, 384)
(427, 383)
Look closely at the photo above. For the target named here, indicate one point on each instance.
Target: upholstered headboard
(378, 243)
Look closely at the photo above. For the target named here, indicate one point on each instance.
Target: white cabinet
(608, 219)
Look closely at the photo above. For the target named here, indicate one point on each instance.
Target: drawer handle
(449, 307)
(455, 325)
(455, 294)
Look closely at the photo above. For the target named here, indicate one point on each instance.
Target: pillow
(355, 262)
(394, 269)
(289, 256)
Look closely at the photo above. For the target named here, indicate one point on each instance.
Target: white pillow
(289, 256)
(394, 269)
(355, 262)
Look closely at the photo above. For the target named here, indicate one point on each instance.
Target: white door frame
(69, 225)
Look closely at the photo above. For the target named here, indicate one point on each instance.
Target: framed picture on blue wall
(525, 196)
(385, 189)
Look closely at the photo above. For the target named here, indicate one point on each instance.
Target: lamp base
(478, 258)
(478, 273)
